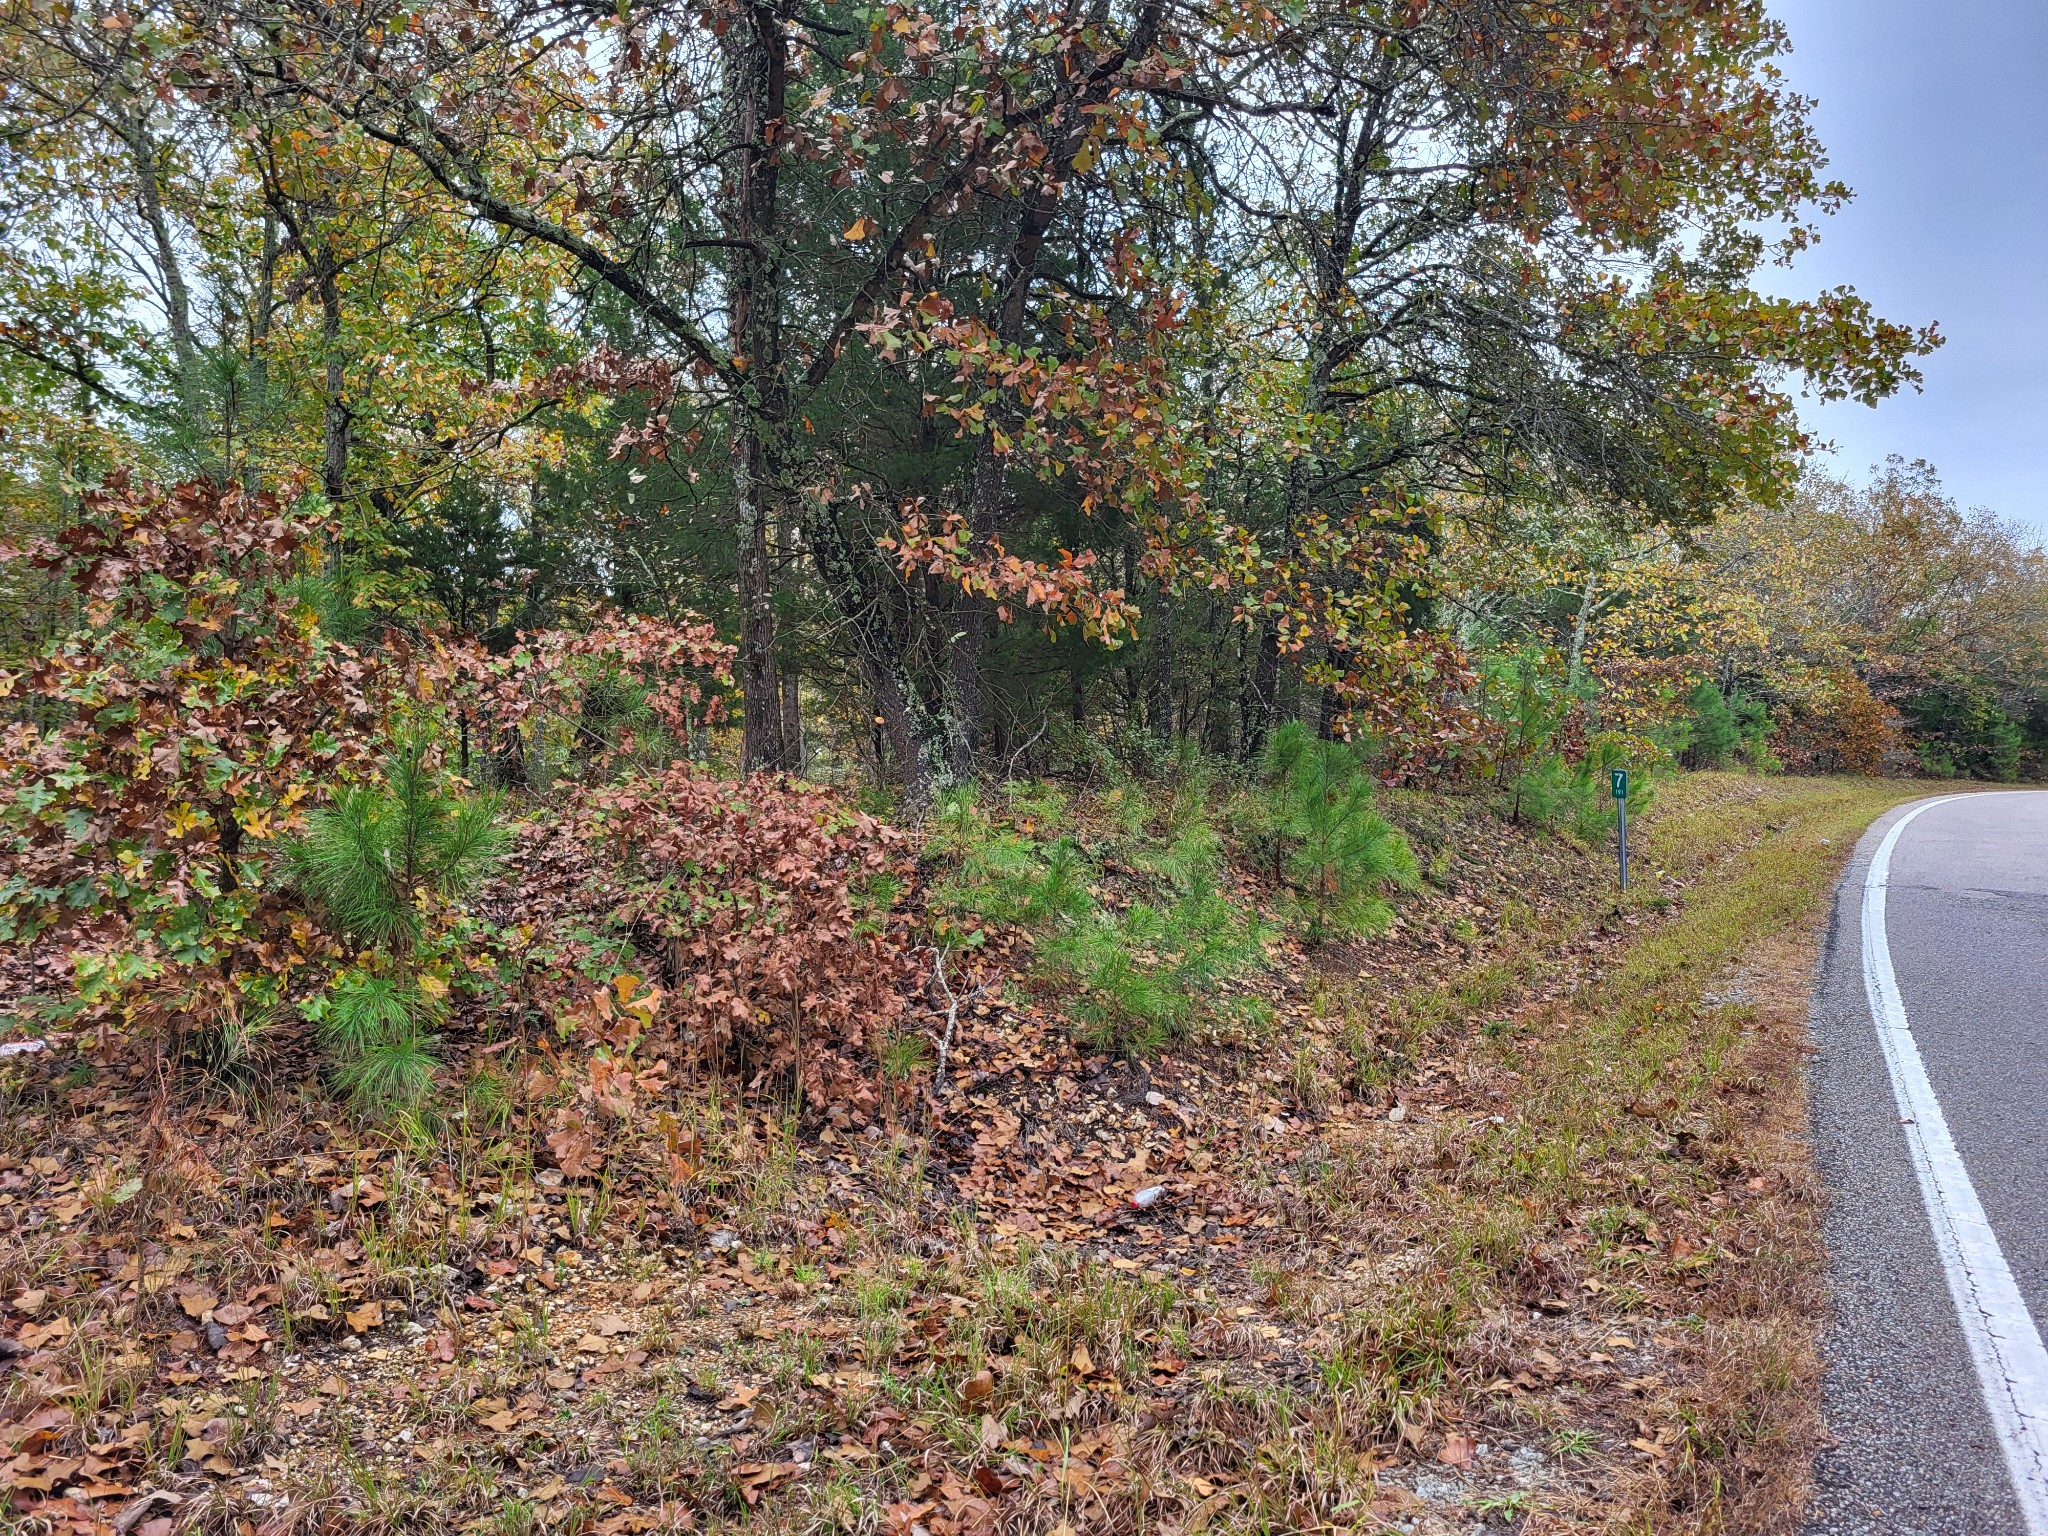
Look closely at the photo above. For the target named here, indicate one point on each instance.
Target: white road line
(2012, 1365)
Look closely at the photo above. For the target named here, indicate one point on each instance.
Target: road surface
(1930, 1118)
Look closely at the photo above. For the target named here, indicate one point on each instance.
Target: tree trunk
(757, 65)
(1159, 704)
(918, 738)
(761, 744)
(792, 722)
(1578, 650)
(1261, 704)
(171, 271)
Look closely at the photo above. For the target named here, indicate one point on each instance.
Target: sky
(1936, 115)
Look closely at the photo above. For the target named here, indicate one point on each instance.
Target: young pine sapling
(382, 865)
(1337, 854)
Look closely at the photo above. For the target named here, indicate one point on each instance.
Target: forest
(677, 663)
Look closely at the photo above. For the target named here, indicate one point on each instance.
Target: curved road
(1930, 1119)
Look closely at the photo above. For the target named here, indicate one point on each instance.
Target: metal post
(1621, 836)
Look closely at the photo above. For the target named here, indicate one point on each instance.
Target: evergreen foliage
(1715, 732)
(1144, 974)
(1339, 856)
(375, 859)
(380, 864)
(1136, 977)
(377, 1031)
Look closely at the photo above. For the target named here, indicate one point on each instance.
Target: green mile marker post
(1618, 781)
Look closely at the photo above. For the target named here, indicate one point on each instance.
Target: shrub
(376, 860)
(1006, 876)
(751, 892)
(1718, 728)
(1963, 730)
(179, 736)
(376, 1029)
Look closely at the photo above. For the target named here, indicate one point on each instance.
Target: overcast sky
(1937, 116)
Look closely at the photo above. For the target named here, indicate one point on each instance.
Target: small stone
(1155, 1098)
(726, 1241)
(1398, 1113)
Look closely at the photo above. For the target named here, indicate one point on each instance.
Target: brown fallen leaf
(362, 1319)
(1457, 1450)
(979, 1387)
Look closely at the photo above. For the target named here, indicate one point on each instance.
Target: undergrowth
(1138, 911)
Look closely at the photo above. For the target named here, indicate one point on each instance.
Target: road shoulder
(1910, 1446)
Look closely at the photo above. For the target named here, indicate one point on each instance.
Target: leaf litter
(1071, 1291)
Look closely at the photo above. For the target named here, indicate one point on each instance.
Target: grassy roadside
(1659, 1142)
(1505, 1222)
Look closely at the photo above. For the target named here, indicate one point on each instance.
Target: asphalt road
(1921, 1316)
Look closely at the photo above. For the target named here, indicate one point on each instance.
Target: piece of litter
(23, 1047)
(1145, 1197)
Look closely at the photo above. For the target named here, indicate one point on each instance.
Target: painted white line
(2012, 1365)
